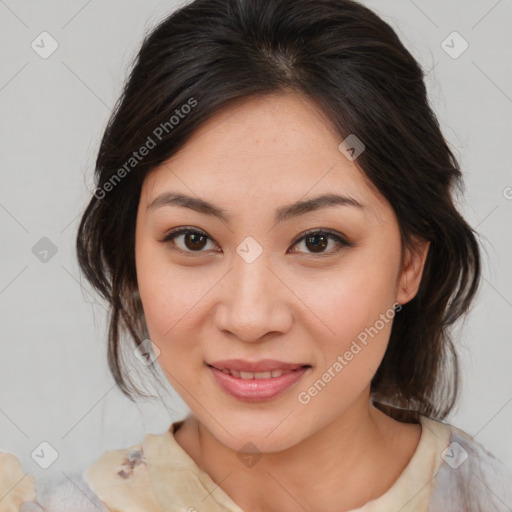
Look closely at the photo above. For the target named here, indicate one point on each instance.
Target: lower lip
(257, 390)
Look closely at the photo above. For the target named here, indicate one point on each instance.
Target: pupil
(195, 239)
(317, 245)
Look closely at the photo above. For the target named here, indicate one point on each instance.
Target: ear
(413, 262)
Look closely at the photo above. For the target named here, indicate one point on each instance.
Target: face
(249, 277)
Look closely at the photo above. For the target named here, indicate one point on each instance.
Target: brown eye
(188, 240)
(194, 241)
(316, 242)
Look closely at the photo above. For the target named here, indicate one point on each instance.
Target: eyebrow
(283, 213)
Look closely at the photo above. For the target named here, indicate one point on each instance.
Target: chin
(257, 438)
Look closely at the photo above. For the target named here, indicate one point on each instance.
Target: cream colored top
(448, 472)
(153, 483)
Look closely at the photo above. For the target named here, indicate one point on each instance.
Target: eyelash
(169, 237)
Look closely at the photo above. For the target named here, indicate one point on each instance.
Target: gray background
(54, 381)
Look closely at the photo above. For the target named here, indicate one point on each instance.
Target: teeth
(256, 375)
(262, 375)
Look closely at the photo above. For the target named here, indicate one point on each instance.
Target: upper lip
(265, 365)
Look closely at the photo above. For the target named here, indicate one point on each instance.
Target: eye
(190, 240)
(317, 240)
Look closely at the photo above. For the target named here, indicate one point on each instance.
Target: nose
(254, 301)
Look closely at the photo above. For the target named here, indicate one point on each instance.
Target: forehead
(271, 148)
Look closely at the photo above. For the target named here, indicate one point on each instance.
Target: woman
(273, 224)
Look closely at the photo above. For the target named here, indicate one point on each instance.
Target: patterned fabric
(16, 487)
(449, 472)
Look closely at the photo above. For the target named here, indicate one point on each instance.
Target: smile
(256, 386)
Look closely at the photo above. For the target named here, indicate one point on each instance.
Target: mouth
(257, 386)
(246, 375)
(262, 366)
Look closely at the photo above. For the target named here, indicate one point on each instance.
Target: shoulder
(470, 477)
(117, 480)
(70, 493)
(121, 480)
(16, 486)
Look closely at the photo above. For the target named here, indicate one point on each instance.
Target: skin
(290, 304)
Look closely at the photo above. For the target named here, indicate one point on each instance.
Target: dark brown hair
(353, 66)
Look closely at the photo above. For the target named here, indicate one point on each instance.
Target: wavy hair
(354, 67)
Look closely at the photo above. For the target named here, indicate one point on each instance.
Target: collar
(157, 475)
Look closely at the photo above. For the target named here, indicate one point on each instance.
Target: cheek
(360, 318)
(352, 298)
(355, 313)
(173, 300)
(163, 292)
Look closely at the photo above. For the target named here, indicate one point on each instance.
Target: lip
(257, 390)
(265, 365)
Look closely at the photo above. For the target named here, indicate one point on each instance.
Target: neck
(357, 457)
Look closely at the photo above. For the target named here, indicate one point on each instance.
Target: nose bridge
(253, 304)
(251, 280)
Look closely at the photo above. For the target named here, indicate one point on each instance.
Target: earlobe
(412, 270)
